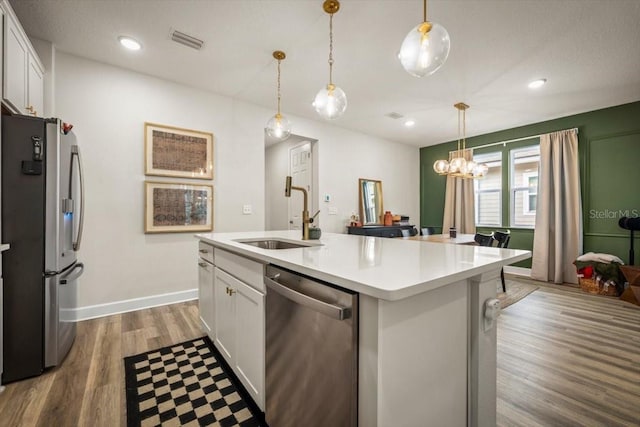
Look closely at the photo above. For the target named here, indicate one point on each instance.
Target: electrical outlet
(246, 210)
(333, 211)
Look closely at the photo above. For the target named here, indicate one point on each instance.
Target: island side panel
(483, 345)
(368, 362)
(422, 358)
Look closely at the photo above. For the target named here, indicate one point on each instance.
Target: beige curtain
(459, 207)
(557, 240)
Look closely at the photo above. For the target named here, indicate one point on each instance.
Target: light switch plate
(246, 210)
(327, 198)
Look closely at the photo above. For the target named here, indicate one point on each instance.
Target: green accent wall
(609, 151)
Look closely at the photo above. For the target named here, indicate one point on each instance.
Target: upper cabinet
(35, 86)
(23, 79)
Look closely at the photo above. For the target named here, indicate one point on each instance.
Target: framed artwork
(174, 207)
(176, 152)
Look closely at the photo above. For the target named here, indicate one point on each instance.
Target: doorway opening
(296, 157)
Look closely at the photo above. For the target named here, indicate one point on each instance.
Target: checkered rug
(186, 384)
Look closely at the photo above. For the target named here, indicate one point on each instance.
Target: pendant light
(279, 127)
(459, 166)
(331, 101)
(425, 48)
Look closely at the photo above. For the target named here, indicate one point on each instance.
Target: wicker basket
(591, 286)
(610, 290)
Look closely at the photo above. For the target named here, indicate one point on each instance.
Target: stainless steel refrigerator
(42, 217)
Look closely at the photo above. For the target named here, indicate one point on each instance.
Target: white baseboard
(101, 310)
(517, 271)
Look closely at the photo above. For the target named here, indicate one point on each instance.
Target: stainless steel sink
(274, 244)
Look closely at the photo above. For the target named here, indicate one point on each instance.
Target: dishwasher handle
(331, 310)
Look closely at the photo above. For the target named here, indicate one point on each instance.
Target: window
(524, 167)
(521, 168)
(488, 191)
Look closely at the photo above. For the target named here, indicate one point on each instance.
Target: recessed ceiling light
(129, 43)
(537, 83)
(409, 123)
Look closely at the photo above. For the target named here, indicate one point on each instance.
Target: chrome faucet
(305, 212)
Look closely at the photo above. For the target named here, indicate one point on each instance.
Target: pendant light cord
(278, 86)
(424, 16)
(464, 131)
(459, 127)
(331, 48)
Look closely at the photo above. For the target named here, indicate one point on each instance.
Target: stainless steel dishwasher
(311, 352)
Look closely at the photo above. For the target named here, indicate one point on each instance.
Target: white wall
(276, 170)
(345, 156)
(108, 107)
(341, 157)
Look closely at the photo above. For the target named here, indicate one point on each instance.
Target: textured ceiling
(588, 50)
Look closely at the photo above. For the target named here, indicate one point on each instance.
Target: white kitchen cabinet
(23, 73)
(240, 326)
(205, 296)
(35, 86)
(225, 315)
(250, 344)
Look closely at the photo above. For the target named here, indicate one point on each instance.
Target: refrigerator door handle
(75, 151)
(71, 276)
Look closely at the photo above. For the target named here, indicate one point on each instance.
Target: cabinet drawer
(205, 251)
(250, 272)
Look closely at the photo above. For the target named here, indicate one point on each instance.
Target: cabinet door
(205, 296)
(35, 87)
(250, 345)
(225, 313)
(15, 66)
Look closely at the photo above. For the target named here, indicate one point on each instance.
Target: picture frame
(177, 207)
(177, 152)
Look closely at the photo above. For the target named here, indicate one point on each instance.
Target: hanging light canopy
(279, 127)
(331, 101)
(458, 165)
(425, 48)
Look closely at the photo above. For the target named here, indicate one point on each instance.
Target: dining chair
(502, 237)
(483, 239)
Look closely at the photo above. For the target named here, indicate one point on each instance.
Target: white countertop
(389, 269)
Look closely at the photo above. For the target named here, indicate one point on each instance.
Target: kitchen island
(426, 350)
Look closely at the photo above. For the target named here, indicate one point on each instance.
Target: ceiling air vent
(186, 40)
(394, 115)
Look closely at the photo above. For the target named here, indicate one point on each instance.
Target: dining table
(460, 239)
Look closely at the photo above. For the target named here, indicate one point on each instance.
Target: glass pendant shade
(425, 49)
(279, 127)
(441, 167)
(457, 165)
(470, 167)
(330, 102)
(481, 170)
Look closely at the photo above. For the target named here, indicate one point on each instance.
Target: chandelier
(461, 164)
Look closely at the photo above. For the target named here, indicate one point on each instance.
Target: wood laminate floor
(89, 389)
(564, 358)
